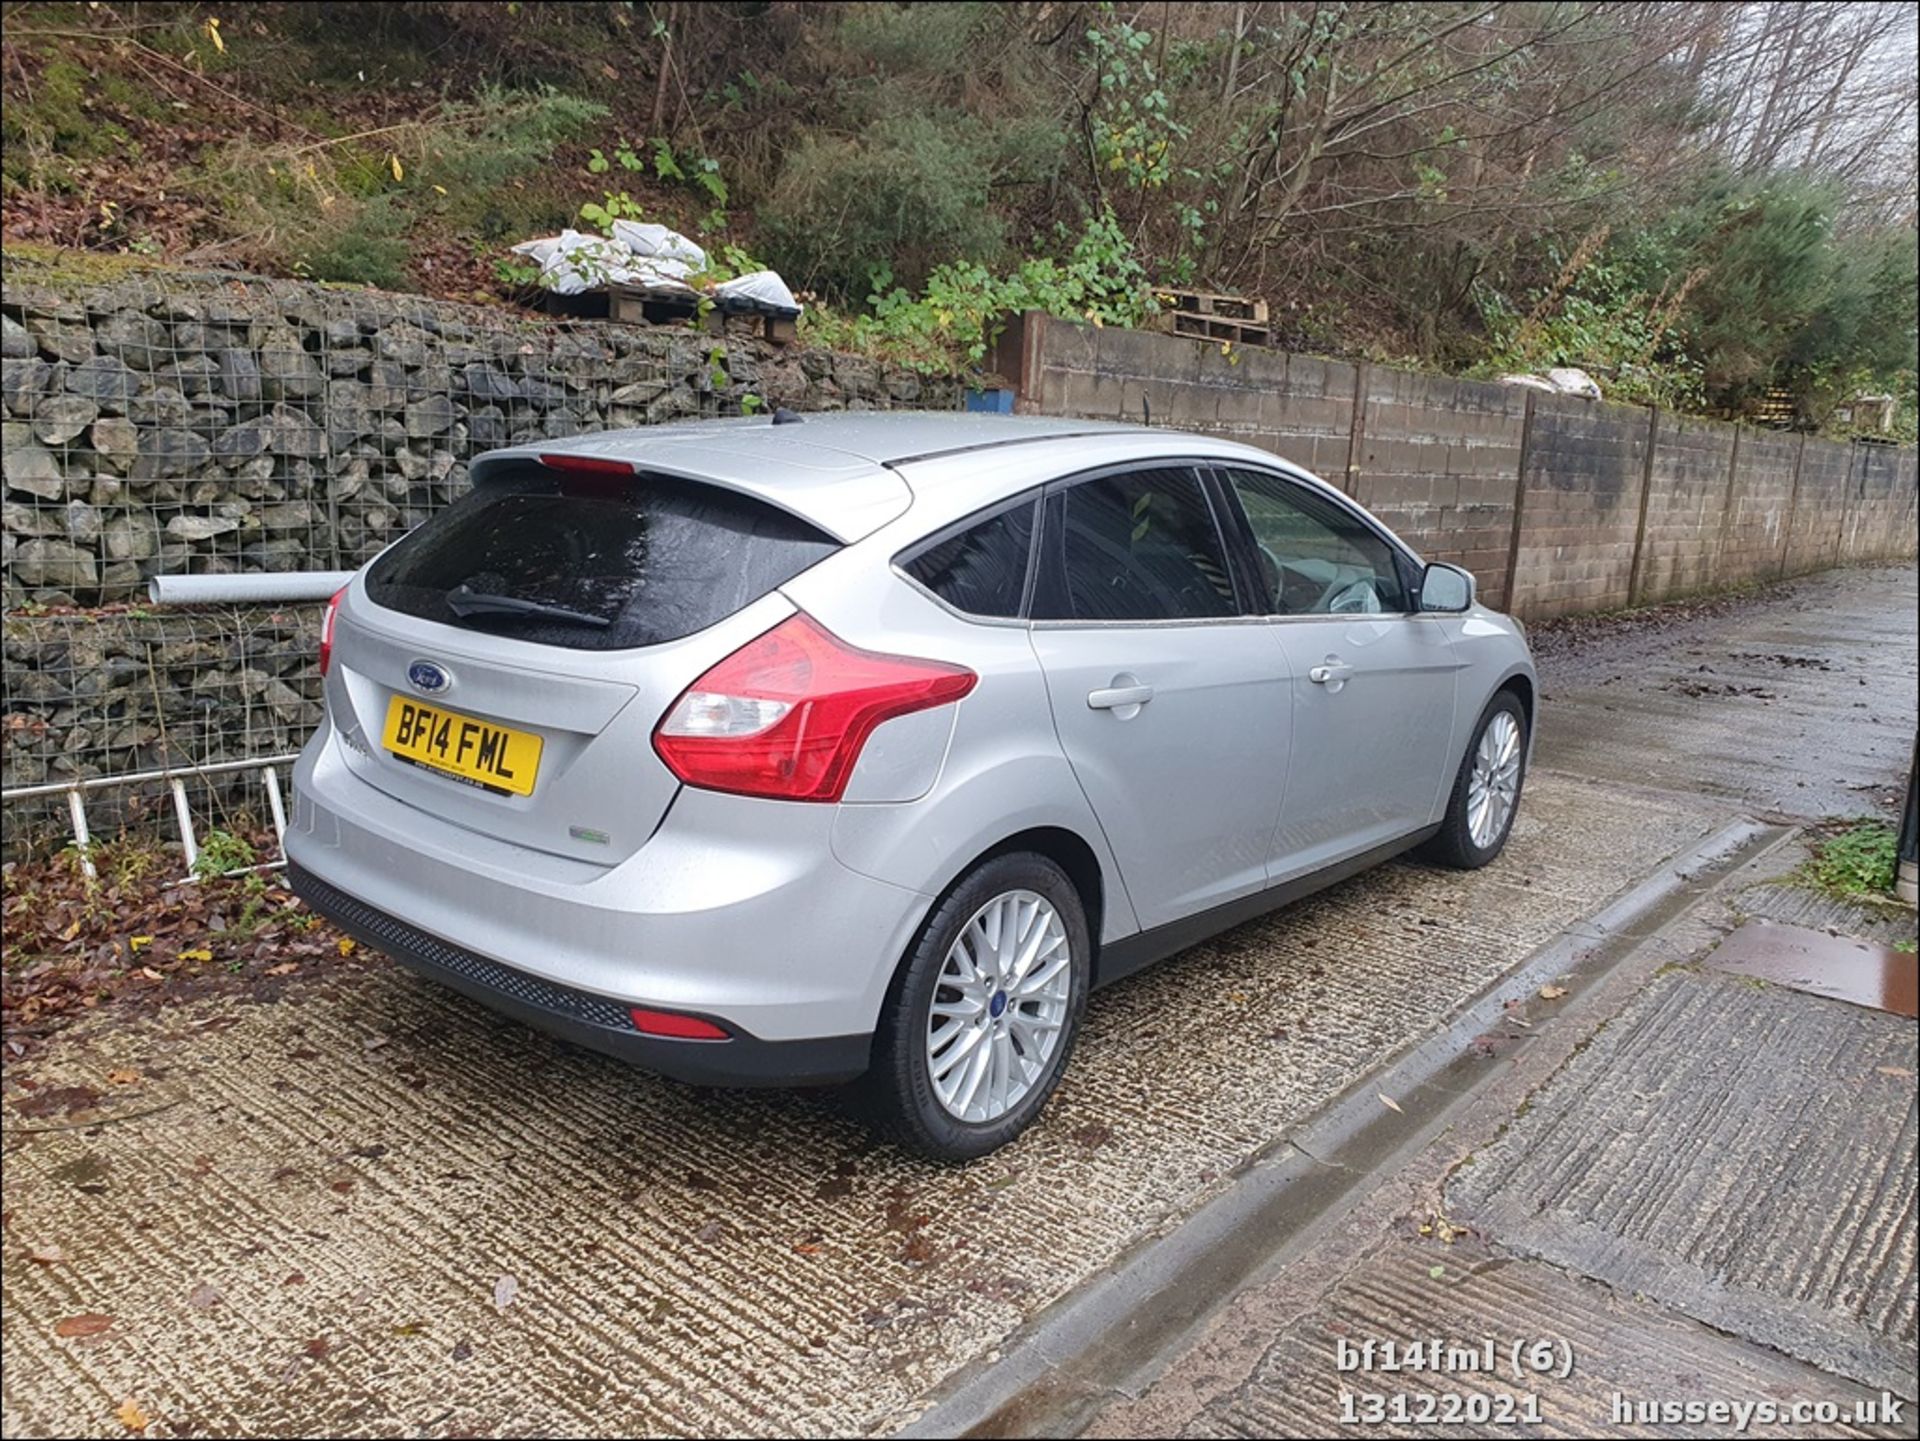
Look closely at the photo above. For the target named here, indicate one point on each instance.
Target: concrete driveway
(374, 1208)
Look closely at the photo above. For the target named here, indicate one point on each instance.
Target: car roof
(839, 470)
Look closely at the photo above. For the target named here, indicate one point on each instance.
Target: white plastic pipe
(288, 586)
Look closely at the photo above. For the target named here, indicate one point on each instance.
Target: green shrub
(906, 195)
(963, 305)
(1858, 861)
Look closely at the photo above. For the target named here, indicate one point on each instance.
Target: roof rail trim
(900, 460)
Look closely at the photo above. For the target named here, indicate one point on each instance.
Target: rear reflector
(786, 715)
(681, 1028)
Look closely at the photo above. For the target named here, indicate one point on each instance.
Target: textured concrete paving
(312, 1235)
(1700, 1185)
(1741, 1152)
(377, 1209)
(1622, 1346)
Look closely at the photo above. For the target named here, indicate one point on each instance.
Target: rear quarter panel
(1002, 771)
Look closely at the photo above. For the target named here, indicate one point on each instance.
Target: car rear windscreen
(594, 562)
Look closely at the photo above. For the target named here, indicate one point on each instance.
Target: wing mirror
(1446, 589)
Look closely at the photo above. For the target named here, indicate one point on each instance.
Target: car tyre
(1457, 843)
(902, 1087)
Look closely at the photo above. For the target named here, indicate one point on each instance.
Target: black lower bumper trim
(598, 1022)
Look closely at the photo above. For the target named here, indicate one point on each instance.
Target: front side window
(981, 570)
(1141, 545)
(1314, 556)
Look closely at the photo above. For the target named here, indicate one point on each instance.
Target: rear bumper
(597, 1022)
(734, 910)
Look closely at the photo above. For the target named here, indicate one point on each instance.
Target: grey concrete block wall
(1880, 516)
(1568, 501)
(1579, 504)
(1687, 502)
(1266, 398)
(1819, 507)
(1436, 458)
(1753, 542)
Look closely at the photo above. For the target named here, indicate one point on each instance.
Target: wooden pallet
(1216, 327)
(1776, 409)
(1219, 307)
(645, 305)
(1205, 315)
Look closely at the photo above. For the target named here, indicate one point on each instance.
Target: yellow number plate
(475, 751)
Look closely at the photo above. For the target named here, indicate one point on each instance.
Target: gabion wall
(119, 692)
(208, 424)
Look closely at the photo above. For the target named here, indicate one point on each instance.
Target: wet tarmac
(1797, 703)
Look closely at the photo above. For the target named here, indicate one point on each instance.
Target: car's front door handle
(1330, 673)
(1114, 697)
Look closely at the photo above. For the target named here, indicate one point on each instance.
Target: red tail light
(785, 716)
(326, 630)
(670, 1023)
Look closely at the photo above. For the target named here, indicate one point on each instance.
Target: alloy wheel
(1494, 786)
(999, 1007)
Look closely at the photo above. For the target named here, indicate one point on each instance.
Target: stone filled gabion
(115, 693)
(173, 423)
(193, 424)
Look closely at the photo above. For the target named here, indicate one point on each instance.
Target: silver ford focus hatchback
(866, 745)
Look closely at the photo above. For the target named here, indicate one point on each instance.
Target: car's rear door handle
(1121, 695)
(1332, 672)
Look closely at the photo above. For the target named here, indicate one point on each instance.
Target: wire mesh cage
(206, 697)
(210, 424)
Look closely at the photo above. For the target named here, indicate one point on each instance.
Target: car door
(1372, 683)
(1170, 700)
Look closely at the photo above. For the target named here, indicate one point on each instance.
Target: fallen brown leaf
(48, 1255)
(90, 1324)
(131, 1416)
(1552, 993)
(123, 1077)
(1389, 1102)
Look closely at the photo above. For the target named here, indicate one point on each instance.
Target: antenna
(1146, 410)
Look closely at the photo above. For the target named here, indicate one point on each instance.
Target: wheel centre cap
(997, 1004)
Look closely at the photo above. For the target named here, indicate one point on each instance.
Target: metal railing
(74, 793)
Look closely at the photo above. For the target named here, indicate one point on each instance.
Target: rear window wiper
(464, 601)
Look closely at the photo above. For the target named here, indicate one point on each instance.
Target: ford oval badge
(428, 678)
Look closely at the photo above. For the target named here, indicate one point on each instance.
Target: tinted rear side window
(983, 569)
(1136, 546)
(653, 559)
